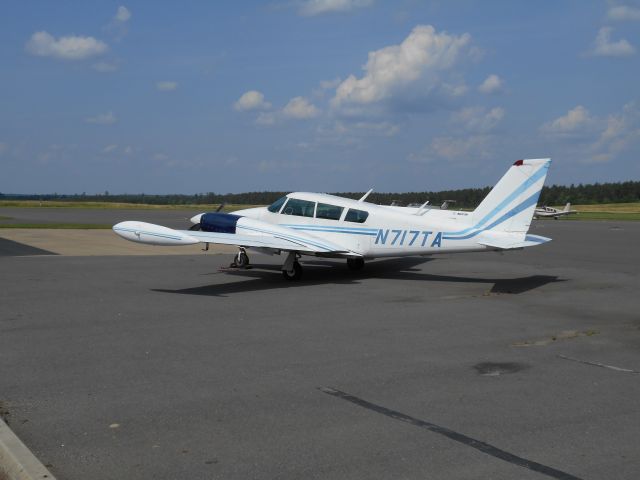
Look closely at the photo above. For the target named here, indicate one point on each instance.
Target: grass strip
(116, 206)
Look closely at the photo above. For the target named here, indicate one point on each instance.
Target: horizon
(355, 192)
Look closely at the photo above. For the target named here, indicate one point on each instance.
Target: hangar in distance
(324, 225)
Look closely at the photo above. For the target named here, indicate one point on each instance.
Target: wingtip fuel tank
(142, 232)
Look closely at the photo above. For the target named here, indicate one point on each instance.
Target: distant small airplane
(542, 212)
(328, 226)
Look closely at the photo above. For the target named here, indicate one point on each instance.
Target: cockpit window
(357, 216)
(277, 205)
(301, 208)
(327, 211)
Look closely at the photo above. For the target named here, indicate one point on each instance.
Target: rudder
(510, 205)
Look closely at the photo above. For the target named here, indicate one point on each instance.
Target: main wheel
(242, 260)
(294, 274)
(355, 263)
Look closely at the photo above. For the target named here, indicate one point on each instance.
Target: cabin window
(357, 216)
(277, 205)
(330, 212)
(301, 208)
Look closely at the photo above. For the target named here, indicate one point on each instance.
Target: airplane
(541, 212)
(322, 225)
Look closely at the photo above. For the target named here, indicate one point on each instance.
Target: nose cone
(196, 218)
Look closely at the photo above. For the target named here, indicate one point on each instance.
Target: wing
(262, 235)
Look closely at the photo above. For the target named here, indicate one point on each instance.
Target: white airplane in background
(329, 226)
(543, 211)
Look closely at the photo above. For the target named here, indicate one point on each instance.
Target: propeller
(197, 227)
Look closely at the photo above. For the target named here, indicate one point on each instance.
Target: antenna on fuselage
(365, 195)
(423, 209)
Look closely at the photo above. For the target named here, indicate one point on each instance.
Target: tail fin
(567, 207)
(510, 205)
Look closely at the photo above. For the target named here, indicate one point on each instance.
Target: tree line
(619, 192)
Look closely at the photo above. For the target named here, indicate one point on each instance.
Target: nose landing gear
(241, 260)
(291, 269)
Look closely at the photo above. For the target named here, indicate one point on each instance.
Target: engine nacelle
(219, 222)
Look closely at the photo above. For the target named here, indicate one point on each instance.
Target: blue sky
(319, 95)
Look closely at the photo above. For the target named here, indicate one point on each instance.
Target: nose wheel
(241, 260)
(292, 270)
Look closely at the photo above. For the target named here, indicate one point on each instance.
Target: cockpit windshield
(277, 205)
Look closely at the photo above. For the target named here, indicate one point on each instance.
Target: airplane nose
(196, 218)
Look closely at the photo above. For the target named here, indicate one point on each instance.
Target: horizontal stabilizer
(508, 242)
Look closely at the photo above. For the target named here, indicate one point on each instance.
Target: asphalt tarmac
(51, 215)
(471, 366)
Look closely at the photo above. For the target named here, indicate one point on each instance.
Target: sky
(314, 95)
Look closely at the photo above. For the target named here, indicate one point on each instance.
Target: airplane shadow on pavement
(322, 272)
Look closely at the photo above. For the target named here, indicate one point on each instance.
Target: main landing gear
(241, 260)
(291, 269)
(355, 263)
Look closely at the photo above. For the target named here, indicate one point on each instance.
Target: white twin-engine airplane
(328, 226)
(541, 212)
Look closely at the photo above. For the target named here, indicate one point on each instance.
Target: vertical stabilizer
(567, 207)
(510, 205)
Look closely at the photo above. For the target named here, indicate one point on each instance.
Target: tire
(293, 275)
(355, 263)
(242, 260)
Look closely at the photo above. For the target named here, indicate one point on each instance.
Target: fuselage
(367, 229)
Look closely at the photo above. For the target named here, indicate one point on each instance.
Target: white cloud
(575, 121)
(109, 148)
(478, 119)
(449, 148)
(300, 107)
(119, 24)
(266, 118)
(623, 12)
(43, 44)
(319, 7)
(455, 90)
(353, 133)
(103, 119)
(492, 84)
(105, 67)
(392, 68)
(166, 86)
(620, 131)
(604, 47)
(122, 14)
(328, 84)
(613, 134)
(377, 128)
(251, 100)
